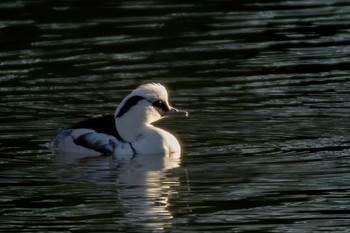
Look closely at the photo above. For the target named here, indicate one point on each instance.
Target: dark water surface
(266, 146)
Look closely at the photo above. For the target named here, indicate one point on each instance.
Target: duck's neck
(131, 130)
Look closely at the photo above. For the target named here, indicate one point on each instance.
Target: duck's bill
(176, 112)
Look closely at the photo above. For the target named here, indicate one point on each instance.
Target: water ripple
(265, 147)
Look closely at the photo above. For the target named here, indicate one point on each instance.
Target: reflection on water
(266, 147)
(143, 185)
(152, 187)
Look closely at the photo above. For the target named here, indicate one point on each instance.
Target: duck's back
(95, 135)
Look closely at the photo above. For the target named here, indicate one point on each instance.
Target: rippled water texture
(266, 146)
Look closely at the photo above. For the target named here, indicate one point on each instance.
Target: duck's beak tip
(176, 112)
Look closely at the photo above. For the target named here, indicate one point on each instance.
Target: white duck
(129, 131)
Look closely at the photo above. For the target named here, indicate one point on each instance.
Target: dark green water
(266, 146)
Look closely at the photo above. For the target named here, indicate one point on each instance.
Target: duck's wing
(100, 142)
(104, 123)
(99, 133)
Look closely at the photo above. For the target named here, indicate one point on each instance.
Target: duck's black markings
(101, 124)
(132, 101)
(162, 105)
(88, 140)
(132, 148)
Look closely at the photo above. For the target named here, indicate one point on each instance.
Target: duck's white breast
(156, 140)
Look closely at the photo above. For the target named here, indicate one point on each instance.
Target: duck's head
(146, 104)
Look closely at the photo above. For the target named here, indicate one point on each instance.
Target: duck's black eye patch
(160, 104)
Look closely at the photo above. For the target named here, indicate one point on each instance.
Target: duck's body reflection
(143, 183)
(146, 188)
